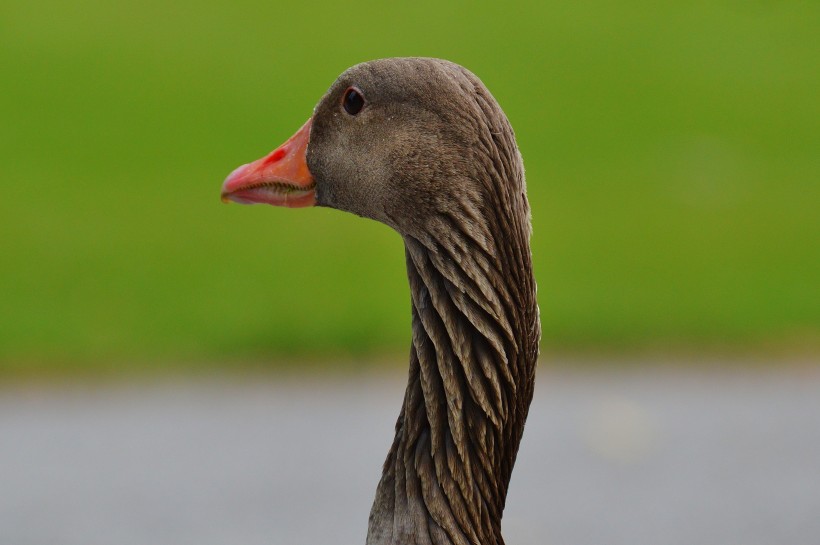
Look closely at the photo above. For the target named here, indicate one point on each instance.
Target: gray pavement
(633, 457)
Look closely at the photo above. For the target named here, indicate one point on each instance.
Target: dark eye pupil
(353, 101)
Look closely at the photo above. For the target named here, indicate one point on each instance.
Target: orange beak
(281, 178)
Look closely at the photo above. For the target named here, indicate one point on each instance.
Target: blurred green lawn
(672, 154)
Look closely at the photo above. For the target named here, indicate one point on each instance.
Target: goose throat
(472, 363)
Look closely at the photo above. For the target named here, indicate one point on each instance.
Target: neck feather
(472, 365)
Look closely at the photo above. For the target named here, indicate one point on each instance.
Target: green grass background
(672, 153)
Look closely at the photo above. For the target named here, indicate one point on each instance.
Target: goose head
(395, 140)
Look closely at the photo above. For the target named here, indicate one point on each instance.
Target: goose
(421, 145)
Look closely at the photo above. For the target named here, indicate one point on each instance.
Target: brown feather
(433, 156)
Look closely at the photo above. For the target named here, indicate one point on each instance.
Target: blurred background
(673, 168)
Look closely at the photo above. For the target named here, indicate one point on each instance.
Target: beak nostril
(276, 155)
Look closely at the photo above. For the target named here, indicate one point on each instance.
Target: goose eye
(353, 101)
